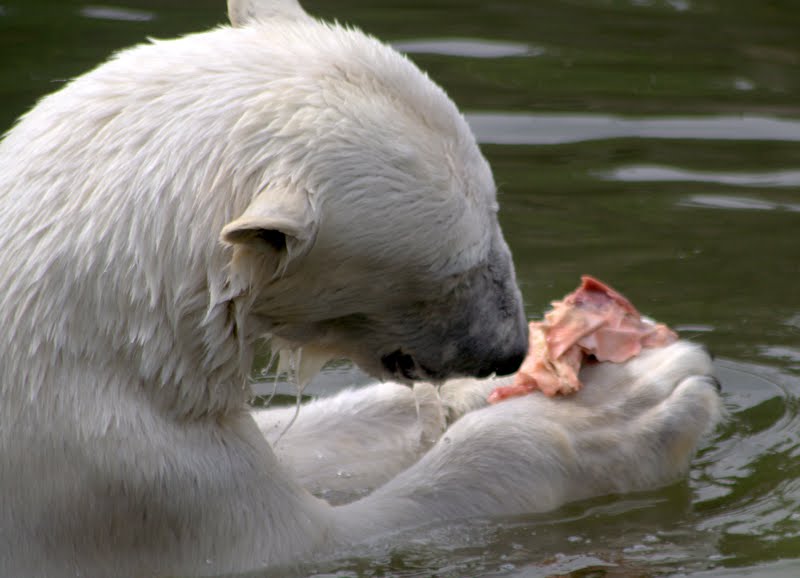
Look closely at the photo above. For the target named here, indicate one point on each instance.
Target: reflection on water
(669, 174)
(548, 129)
(115, 13)
(620, 149)
(788, 355)
(737, 203)
(469, 47)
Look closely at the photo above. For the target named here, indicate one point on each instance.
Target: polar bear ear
(279, 223)
(242, 12)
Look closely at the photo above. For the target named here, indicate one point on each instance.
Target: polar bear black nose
(504, 365)
(511, 363)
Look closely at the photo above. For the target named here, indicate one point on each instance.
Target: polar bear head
(281, 177)
(372, 231)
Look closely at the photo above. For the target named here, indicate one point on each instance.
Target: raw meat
(594, 322)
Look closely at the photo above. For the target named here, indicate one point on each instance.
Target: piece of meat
(593, 322)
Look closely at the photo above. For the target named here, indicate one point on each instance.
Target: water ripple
(737, 203)
(468, 47)
(652, 173)
(116, 13)
(554, 129)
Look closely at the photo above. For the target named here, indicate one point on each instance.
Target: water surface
(652, 143)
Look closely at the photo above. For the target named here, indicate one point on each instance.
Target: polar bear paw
(634, 426)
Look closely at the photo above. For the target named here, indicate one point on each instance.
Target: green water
(652, 143)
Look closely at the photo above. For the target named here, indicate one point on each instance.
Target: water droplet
(574, 539)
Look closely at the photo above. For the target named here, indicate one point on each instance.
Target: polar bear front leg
(634, 426)
(357, 439)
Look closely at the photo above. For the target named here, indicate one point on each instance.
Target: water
(652, 143)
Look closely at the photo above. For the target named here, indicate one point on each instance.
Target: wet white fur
(634, 426)
(128, 328)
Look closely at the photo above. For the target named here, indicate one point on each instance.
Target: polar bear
(287, 179)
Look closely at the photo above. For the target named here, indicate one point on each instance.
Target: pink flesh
(594, 320)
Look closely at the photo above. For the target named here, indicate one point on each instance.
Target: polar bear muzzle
(477, 328)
